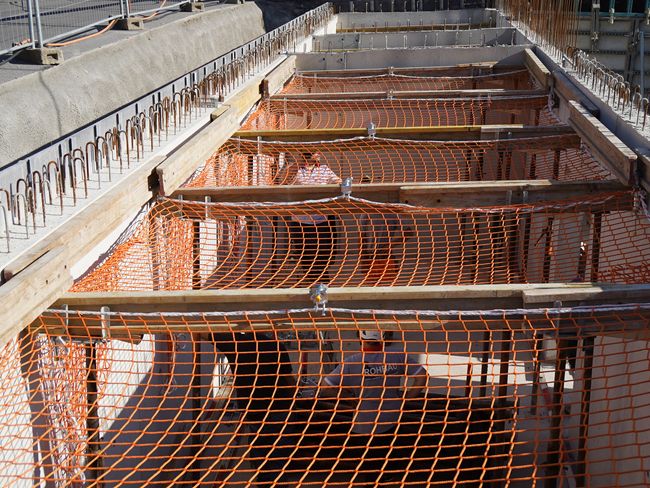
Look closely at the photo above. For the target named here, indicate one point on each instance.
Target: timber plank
(608, 149)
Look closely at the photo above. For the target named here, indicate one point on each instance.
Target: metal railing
(37, 23)
(46, 188)
(627, 100)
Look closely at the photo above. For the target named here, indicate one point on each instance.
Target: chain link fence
(36, 23)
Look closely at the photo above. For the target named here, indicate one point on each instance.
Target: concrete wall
(403, 58)
(449, 17)
(45, 106)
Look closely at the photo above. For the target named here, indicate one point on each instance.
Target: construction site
(210, 221)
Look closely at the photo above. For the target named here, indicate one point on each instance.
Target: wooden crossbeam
(432, 195)
(442, 297)
(608, 149)
(493, 93)
(537, 68)
(453, 132)
(426, 70)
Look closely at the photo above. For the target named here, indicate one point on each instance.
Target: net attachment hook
(346, 187)
(318, 295)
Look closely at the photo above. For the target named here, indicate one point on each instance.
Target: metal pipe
(642, 61)
(39, 29)
(30, 13)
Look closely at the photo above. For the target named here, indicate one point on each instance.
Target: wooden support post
(504, 363)
(499, 175)
(507, 163)
(196, 255)
(555, 447)
(587, 370)
(485, 358)
(548, 246)
(525, 249)
(93, 449)
(480, 166)
(196, 407)
(502, 404)
(532, 172)
(537, 365)
(595, 245)
(556, 164)
(39, 418)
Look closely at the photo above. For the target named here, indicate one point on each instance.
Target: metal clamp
(346, 187)
(318, 295)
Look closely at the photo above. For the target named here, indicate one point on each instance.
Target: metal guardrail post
(30, 13)
(127, 9)
(39, 29)
(642, 61)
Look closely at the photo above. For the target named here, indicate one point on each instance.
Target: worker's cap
(371, 335)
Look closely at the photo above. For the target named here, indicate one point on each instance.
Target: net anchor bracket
(318, 295)
(346, 187)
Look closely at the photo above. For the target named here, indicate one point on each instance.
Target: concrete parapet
(43, 107)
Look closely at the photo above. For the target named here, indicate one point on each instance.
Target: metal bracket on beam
(318, 295)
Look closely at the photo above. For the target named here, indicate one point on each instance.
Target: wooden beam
(180, 165)
(496, 102)
(431, 195)
(454, 132)
(593, 294)
(30, 291)
(537, 68)
(491, 65)
(608, 149)
(277, 78)
(444, 297)
(487, 92)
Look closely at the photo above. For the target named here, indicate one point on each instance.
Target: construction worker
(264, 389)
(376, 379)
(313, 236)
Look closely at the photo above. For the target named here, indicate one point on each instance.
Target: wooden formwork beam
(432, 70)
(450, 132)
(224, 122)
(431, 195)
(608, 149)
(442, 297)
(537, 68)
(476, 93)
(31, 290)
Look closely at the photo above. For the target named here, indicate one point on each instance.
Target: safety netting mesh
(415, 80)
(283, 114)
(245, 162)
(181, 245)
(505, 397)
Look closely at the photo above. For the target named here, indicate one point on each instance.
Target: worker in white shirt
(313, 235)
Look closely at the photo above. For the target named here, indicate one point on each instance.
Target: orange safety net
(182, 245)
(417, 80)
(242, 162)
(282, 114)
(510, 398)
